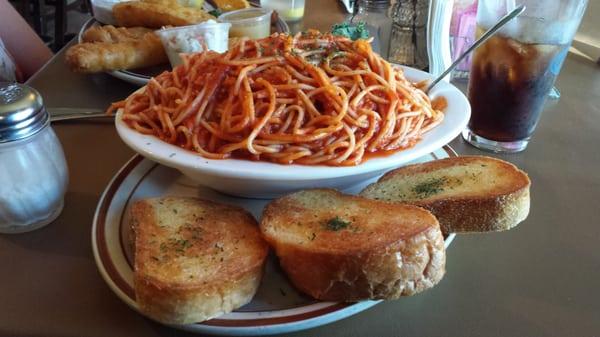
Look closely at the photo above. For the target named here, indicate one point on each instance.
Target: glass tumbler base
(492, 145)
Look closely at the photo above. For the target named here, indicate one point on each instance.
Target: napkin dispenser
(438, 36)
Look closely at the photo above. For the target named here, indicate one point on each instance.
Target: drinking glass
(288, 10)
(514, 71)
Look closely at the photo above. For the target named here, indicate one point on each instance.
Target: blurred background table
(539, 279)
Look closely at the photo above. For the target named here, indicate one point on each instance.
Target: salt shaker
(33, 170)
(374, 13)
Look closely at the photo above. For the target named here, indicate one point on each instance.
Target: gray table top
(539, 279)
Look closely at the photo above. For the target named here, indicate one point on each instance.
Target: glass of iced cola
(513, 72)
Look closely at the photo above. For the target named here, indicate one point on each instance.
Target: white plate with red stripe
(277, 306)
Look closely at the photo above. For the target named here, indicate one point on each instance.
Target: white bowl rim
(456, 118)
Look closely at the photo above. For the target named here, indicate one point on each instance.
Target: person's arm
(27, 49)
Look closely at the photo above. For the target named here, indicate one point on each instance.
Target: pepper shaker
(408, 42)
(33, 170)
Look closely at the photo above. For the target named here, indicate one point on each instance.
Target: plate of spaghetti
(288, 112)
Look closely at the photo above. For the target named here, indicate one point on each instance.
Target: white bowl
(257, 179)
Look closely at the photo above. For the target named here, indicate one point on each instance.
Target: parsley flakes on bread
(466, 194)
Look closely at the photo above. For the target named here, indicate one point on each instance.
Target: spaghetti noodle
(308, 99)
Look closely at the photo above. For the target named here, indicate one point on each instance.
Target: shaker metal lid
(22, 112)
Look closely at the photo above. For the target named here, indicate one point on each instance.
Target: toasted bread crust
(519, 178)
(499, 207)
(186, 305)
(200, 261)
(484, 214)
(387, 260)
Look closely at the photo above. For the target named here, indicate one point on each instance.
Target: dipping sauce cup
(513, 72)
(254, 23)
(209, 35)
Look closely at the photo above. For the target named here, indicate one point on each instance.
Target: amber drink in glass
(513, 72)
